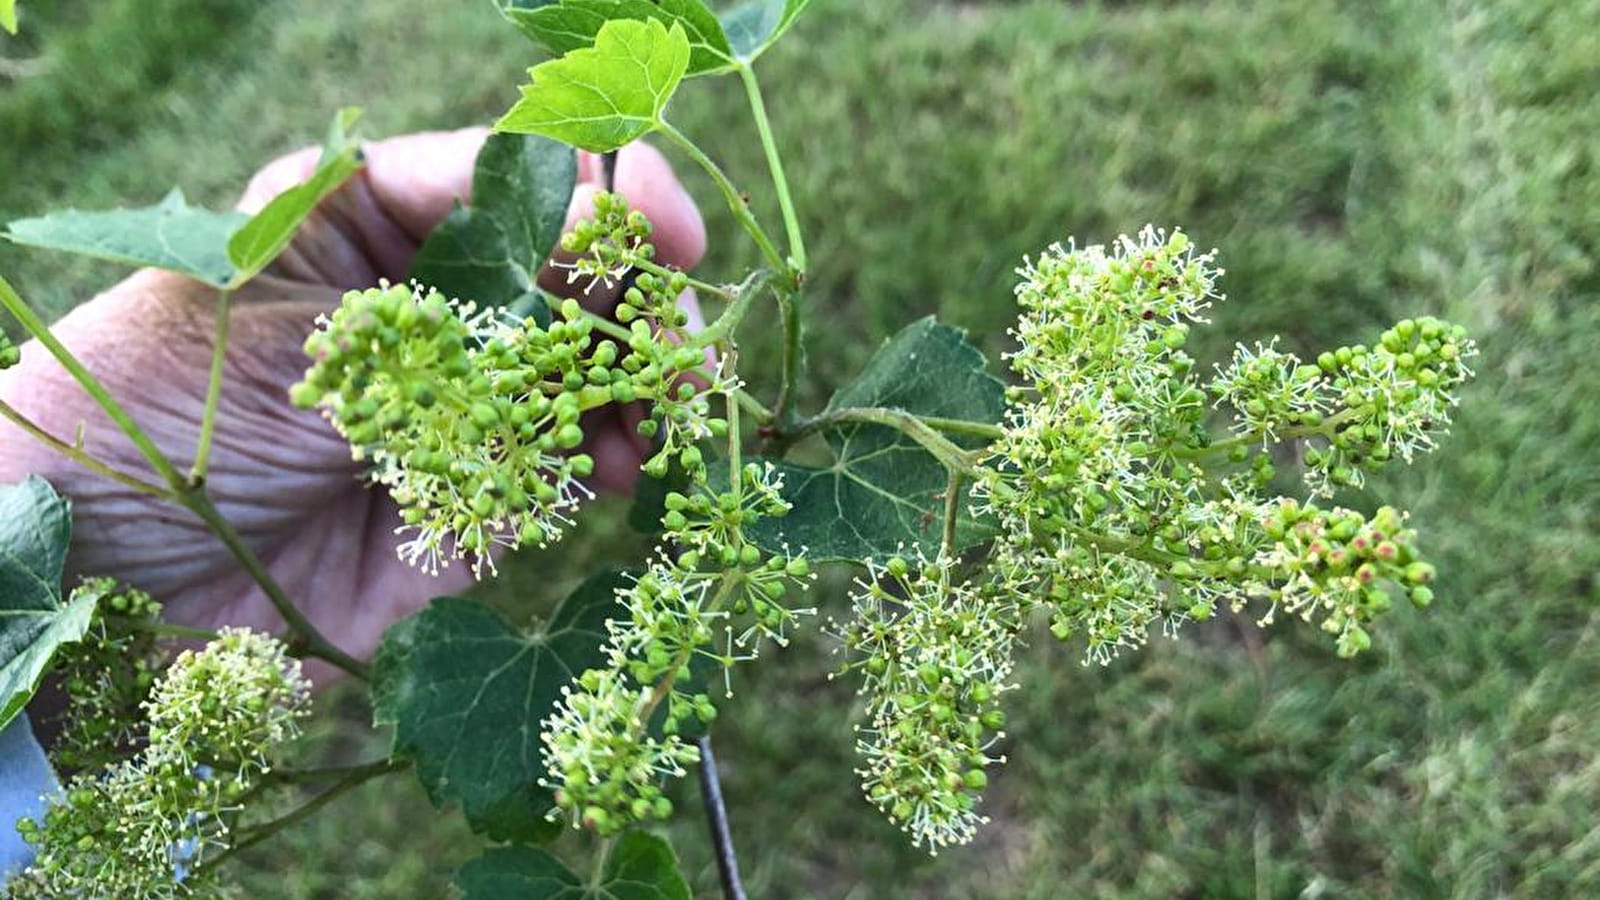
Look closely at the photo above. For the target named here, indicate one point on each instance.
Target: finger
(419, 177)
(371, 227)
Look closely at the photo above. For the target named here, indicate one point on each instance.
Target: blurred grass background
(1355, 162)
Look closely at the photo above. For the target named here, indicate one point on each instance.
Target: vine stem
(660, 271)
(913, 426)
(753, 406)
(306, 639)
(717, 820)
(735, 444)
(355, 777)
(952, 511)
(91, 385)
(963, 464)
(1323, 430)
(791, 221)
(736, 202)
(77, 454)
(743, 297)
(793, 353)
(208, 419)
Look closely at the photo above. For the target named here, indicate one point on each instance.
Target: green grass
(1355, 163)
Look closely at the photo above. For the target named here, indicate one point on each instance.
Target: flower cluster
(107, 677)
(10, 354)
(707, 602)
(1392, 399)
(471, 417)
(1342, 566)
(1119, 512)
(145, 826)
(934, 655)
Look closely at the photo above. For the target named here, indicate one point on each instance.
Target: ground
(1355, 162)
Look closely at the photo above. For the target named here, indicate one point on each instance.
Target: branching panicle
(1120, 511)
(935, 655)
(144, 826)
(707, 602)
(107, 677)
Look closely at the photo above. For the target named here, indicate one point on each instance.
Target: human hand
(282, 476)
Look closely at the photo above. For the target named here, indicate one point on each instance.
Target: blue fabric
(25, 779)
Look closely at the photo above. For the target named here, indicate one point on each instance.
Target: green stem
(700, 287)
(964, 427)
(208, 419)
(306, 640)
(189, 495)
(753, 406)
(735, 439)
(791, 222)
(942, 448)
(358, 775)
(609, 326)
(793, 352)
(280, 777)
(1325, 429)
(952, 511)
(736, 201)
(739, 305)
(77, 455)
(90, 384)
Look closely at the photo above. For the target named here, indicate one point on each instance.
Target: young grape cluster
(707, 602)
(473, 418)
(107, 676)
(1120, 512)
(144, 826)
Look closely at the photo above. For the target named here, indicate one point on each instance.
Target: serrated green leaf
(884, 489)
(169, 235)
(640, 867)
(561, 27)
(466, 692)
(259, 241)
(601, 97)
(8, 15)
(35, 528)
(754, 26)
(222, 249)
(491, 252)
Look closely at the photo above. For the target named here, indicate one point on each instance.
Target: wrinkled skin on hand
(280, 475)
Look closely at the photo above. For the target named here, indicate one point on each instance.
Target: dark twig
(717, 818)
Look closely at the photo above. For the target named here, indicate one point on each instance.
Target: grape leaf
(222, 249)
(8, 15)
(491, 252)
(169, 235)
(35, 528)
(640, 867)
(884, 489)
(467, 692)
(561, 27)
(260, 240)
(754, 26)
(601, 97)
